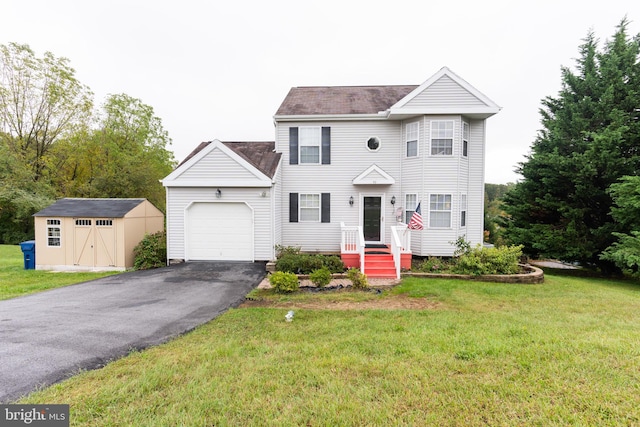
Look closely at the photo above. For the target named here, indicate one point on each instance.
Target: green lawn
(563, 353)
(16, 281)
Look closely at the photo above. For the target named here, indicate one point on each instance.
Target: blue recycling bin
(29, 252)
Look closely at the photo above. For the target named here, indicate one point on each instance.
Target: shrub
(151, 252)
(284, 282)
(502, 260)
(358, 278)
(306, 263)
(321, 277)
(433, 265)
(286, 250)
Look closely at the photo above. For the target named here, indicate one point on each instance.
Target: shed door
(219, 232)
(84, 243)
(94, 243)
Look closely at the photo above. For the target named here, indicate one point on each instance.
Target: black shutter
(326, 145)
(325, 204)
(293, 207)
(293, 146)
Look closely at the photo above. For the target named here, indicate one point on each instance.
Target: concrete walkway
(50, 336)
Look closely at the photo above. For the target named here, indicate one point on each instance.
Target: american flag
(416, 219)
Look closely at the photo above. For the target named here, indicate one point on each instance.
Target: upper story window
(440, 210)
(465, 139)
(53, 232)
(373, 143)
(442, 137)
(410, 204)
(309, 143)
(411, 132)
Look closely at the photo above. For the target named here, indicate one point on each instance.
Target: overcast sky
(220, 69)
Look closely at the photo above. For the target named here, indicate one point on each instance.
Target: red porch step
(379, 266)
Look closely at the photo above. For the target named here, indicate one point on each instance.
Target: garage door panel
(220, 231)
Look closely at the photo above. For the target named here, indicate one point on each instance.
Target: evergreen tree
(590, 138)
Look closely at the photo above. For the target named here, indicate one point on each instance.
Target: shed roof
(90, 208)
(341, 99)
(260, 154)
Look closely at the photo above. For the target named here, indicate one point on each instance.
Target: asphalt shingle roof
(341, 99)
(90, 208)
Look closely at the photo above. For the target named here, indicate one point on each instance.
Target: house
(347, 169)
(93, 234)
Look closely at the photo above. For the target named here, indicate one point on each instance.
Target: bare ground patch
(389, 302)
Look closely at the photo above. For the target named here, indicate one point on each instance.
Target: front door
(372, 218)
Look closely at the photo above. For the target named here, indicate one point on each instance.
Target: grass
(563, 353)
(16, 281)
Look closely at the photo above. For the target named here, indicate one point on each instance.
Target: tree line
(55, 143)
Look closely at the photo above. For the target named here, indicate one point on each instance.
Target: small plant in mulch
(358, 278)
(320, 277)
(284, 282)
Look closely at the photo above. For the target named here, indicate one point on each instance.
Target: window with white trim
(465, 139)
(53, 232)
(463, 210)
(442, 137)
(309, 140)
(411, 138)
(309, 207)
(440, 211)
(410, 204)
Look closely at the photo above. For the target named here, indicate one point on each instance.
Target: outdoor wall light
(218, 193)
(351, 201)
(393, 200)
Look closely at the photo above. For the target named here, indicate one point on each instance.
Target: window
(410, 204)
(104, 222)
(463, 210)
(310, 138)
(442, 137)
(309, 207)
(412, 139)
(83, 222)
(373, 143)
(440, 211)
(465, 139)
(53, 232)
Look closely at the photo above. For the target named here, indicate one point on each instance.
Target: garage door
(219, 232)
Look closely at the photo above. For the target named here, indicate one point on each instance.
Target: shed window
(84, 222)
(53, 232)
(104, 222)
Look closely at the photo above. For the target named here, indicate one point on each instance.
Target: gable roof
(90, 208)
(260, 154)
(329, 100)
(374, 175)
(443, 93)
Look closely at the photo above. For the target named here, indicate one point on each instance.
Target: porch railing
(400, 243)
(352, 241)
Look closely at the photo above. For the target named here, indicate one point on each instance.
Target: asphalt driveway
(48, 337)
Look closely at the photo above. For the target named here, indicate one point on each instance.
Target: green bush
(284, 282)
(321, 277)
(502, 260)
(433, 265)
(286, 250)
(358, 278)
(306, 263)
(151, 252)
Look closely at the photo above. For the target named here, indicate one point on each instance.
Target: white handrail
(352, 241)
(400, 243)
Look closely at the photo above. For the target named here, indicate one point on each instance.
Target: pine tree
(590, 139)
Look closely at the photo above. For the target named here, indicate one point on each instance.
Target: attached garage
(219, 231)
(223, 204)
(93, 234)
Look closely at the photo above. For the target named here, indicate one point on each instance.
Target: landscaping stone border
(534, 275)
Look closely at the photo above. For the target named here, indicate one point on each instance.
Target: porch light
(393, 200)
(218, 193)
(351, 201)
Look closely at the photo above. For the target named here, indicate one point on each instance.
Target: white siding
(216, 165)
(349, 158)
(475, 198)
(178, 198)
(444, 93)
(277, 208)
